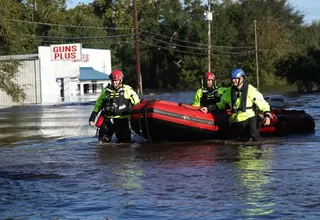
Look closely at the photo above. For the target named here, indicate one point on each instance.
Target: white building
(49, 81)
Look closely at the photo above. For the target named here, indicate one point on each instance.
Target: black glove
(212, 108)
(93, 116)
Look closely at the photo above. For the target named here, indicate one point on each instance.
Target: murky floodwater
(51, 167)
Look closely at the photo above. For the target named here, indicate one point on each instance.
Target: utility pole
(209, 18)
(256, 46)
(136, 36)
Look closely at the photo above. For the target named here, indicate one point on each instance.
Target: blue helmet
(237, 73)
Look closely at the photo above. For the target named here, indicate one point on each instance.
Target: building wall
(52, 70)
(29, 78)
(40, 76)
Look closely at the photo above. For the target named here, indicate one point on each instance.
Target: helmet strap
(239, 82)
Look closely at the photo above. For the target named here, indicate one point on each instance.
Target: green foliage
(300, 69)
(83, 17)
(11, 40)
(173, 37)
(8, 84)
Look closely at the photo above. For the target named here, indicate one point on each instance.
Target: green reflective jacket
(205, 97)
(254, 97)
(107, 92)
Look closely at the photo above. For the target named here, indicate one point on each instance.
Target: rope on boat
(146, 118)
(182, 105)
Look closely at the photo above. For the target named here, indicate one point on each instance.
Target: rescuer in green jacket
(243, 98)
(209, 94)
(115, 103)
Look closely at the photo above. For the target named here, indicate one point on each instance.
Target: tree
(276, 24)
(298, 69)
(173, 36)
(8, 84)
(86, 28)
(11, 31)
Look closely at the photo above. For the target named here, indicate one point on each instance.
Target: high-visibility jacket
(116, 103)
(254, 97)
(205, 97)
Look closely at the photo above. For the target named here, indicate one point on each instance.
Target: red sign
(64, 52)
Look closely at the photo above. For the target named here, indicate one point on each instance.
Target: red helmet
(116, 75)
(209, 76)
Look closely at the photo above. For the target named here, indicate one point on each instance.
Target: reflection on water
(252, 174)
(126, 171)
(34, 123)
(254, 164)
(51, 167)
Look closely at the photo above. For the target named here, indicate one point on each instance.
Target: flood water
(51, 167)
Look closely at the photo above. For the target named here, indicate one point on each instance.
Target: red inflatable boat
(159, 120)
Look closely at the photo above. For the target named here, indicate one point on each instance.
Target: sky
(310, 8)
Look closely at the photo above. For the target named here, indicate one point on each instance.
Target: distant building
(50, 81)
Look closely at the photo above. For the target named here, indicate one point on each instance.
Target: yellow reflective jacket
(253, 97)
(205, 97)
(108, 93)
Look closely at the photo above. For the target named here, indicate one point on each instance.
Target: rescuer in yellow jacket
(115, 101)
(209, 94)
(243, 98)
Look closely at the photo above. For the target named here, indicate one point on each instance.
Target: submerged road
(51, 167)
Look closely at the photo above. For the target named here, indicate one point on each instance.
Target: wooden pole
(256, 46)
(209, 17)
(136, 35)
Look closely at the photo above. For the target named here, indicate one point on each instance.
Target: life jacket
(235, 94)
(115, 103)
(243, 103)
(210, 96)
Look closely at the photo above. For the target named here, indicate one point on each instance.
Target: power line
(66, 25)
(200, 48)
(221, 53)
(166, 48)
(73, 38)
(173, 44)
(56, 39)
(276, 21)
(105, 28)
(200, 44)
(91, 42)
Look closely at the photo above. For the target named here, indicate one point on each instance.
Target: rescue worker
(209, 94)
(243, 98)
(115, 103)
